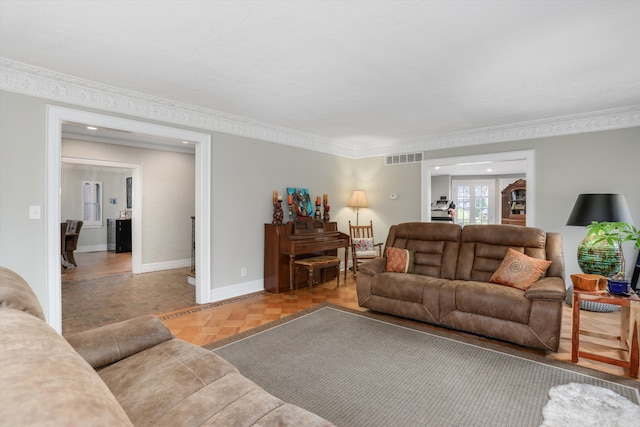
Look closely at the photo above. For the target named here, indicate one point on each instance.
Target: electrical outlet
(393, 196)
(243, 271)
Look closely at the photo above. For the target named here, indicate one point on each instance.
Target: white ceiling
(363, 76)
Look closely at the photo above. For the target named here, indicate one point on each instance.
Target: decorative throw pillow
(363, 244)
(519, 270)
(400, 260)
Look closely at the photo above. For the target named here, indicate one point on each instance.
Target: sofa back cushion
(435, 244)
(44, 382)
(483, 248)
(15, 293)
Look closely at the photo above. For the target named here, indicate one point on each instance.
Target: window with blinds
(92, 203)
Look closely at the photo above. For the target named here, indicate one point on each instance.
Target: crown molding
(39, 82)
(618, 118)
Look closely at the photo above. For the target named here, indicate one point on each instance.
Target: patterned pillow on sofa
(399, 260)
(519, 270)
(364, 246)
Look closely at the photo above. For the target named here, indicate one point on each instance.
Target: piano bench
(318, 262)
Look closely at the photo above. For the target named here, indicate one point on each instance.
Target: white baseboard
(166, 265)
(219, 294)
(92, 248)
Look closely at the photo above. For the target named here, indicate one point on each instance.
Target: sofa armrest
(111, 343)
(373, 266)
(548, 289)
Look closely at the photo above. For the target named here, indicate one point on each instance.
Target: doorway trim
(530, 175)
(55, 117)
(136, 205)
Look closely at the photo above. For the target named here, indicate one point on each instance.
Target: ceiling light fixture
(92, 128)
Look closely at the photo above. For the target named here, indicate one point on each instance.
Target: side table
(629, 329)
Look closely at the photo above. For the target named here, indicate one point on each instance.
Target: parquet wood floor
(203, 324)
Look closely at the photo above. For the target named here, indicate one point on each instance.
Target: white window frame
(491, 195)
(91, 204)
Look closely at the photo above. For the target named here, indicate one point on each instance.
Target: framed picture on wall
(129, 197)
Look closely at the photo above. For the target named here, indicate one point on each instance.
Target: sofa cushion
(15, 293)
(400, 260)
(483, 248)
(110, 343)
(151, 382)
(177, 383)
(45, 382)
(518, 270)
(487, 299)
(436, 246)
(404, 287)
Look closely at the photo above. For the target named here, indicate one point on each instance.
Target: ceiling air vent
(401, 159)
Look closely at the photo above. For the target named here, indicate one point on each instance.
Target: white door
(475, 201)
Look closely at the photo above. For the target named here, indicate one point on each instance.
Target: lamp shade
(358, 200)
(600, 208)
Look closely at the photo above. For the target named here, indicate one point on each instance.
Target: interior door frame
(136, 203)
(529, 157)
(55, 117)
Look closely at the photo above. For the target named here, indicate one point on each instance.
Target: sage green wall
(246, 171)
(168, 196)
(244, 174)
(597, 162)
(71, 203)
(22, 184)
(378, 182)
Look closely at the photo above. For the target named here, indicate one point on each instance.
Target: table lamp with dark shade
(601, 257)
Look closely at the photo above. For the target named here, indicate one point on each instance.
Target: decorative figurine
(277, 208)
(317, 213)
(278, 215)
(325, 202)
(326, 217)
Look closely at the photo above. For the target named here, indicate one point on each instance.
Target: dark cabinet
(119, 235)
(514, 203)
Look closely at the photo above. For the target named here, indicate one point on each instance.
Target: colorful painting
(299, 198)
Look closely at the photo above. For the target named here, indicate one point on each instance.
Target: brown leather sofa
(450, 286)
(130, 373)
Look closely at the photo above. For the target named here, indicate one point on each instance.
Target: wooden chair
(71, 241)
(363, 246)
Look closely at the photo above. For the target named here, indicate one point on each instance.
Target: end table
(629, 329)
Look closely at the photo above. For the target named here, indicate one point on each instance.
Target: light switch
(393, 196)
(34, 212)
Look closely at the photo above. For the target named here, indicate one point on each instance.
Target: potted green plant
(615, 233)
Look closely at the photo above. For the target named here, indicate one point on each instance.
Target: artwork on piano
(300, 205)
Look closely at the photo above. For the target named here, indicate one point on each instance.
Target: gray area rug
(356, 370)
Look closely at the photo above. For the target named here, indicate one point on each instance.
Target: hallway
(102, 290)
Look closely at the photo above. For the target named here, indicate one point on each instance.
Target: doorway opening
(527, 157)
(114, 175)
(55, 118)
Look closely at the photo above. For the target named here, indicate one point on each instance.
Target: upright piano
(285, 243)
